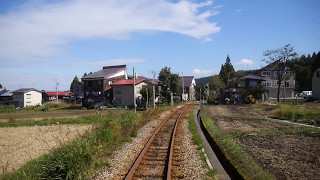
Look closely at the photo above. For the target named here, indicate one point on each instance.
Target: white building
(316, 84)
(27, 97)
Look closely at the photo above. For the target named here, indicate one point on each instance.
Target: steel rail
(172, 144)
(133, 168)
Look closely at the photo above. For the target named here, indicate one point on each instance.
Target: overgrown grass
(89, 153)
(292, 113)
(7, 109)
(238, 157)
(197, 140)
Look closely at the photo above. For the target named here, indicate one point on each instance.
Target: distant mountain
(202, 80)
(240, 73)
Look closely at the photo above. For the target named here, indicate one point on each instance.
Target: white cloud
(238, 10)
(198, 72)
(217, 7)
(110, 62)
(245, 62)
(35, 32)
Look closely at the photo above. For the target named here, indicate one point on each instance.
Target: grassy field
(300, 112)
(86, 154)
(260, 148)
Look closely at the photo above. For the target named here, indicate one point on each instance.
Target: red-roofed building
(52, 96)
(123, 91)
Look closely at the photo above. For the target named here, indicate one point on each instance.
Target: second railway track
(160, 155)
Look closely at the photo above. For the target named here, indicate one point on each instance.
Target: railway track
(161, 154)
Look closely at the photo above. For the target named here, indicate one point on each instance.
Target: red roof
(59, 93)
(126, 82)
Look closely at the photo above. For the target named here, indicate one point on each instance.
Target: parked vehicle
(306, 94)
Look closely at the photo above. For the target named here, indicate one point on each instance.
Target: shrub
(7, 109)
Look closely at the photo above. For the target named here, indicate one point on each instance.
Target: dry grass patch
(22, 144)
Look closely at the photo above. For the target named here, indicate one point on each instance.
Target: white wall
(32, 98)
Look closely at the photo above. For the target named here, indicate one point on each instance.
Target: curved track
(157, 158)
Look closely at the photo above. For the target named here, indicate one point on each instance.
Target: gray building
(316, 84)
(97, 86)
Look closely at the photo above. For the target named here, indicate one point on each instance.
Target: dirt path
(235, 110)
(21, 144)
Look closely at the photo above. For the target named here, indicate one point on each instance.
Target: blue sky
(44, 42)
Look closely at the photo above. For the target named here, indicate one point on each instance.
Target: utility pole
(147, 98)
(159, 88)
(153, 89)
(57, 97)
(182, 88)
(134, 91)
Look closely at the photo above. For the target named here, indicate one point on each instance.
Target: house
(316, 84)
(2, 90)
(252, 80)
(188, 84)
(6, 97)
(52, 96)
(97, 86)
(123, 91)
(270, 76)
(27, 97)
(78, 90)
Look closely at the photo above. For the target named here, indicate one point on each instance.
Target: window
(287, 84)
(17, 97)
(138, 89)
(118, 101)
(118, 90)
(276, 74)
(99, 83)
(28, 103)
(265, 73)
(266, 83)
(28, 96)
(253, 83)
(275, 82)
(282, 83)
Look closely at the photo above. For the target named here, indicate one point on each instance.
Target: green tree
(303, 68)
(226, 71)
(85, 74)
(75, 80)
(169, 83)
(278, 59)
(146, 93)
(216, 85)
(175, 84)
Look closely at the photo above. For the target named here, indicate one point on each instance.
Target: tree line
(283, 59)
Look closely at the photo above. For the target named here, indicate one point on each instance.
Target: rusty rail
(133, 168)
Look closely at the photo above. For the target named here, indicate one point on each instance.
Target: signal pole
(153, 89)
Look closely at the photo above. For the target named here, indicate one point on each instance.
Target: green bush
(7, 109)
(66, 163)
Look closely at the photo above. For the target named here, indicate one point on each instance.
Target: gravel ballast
(122, 159)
